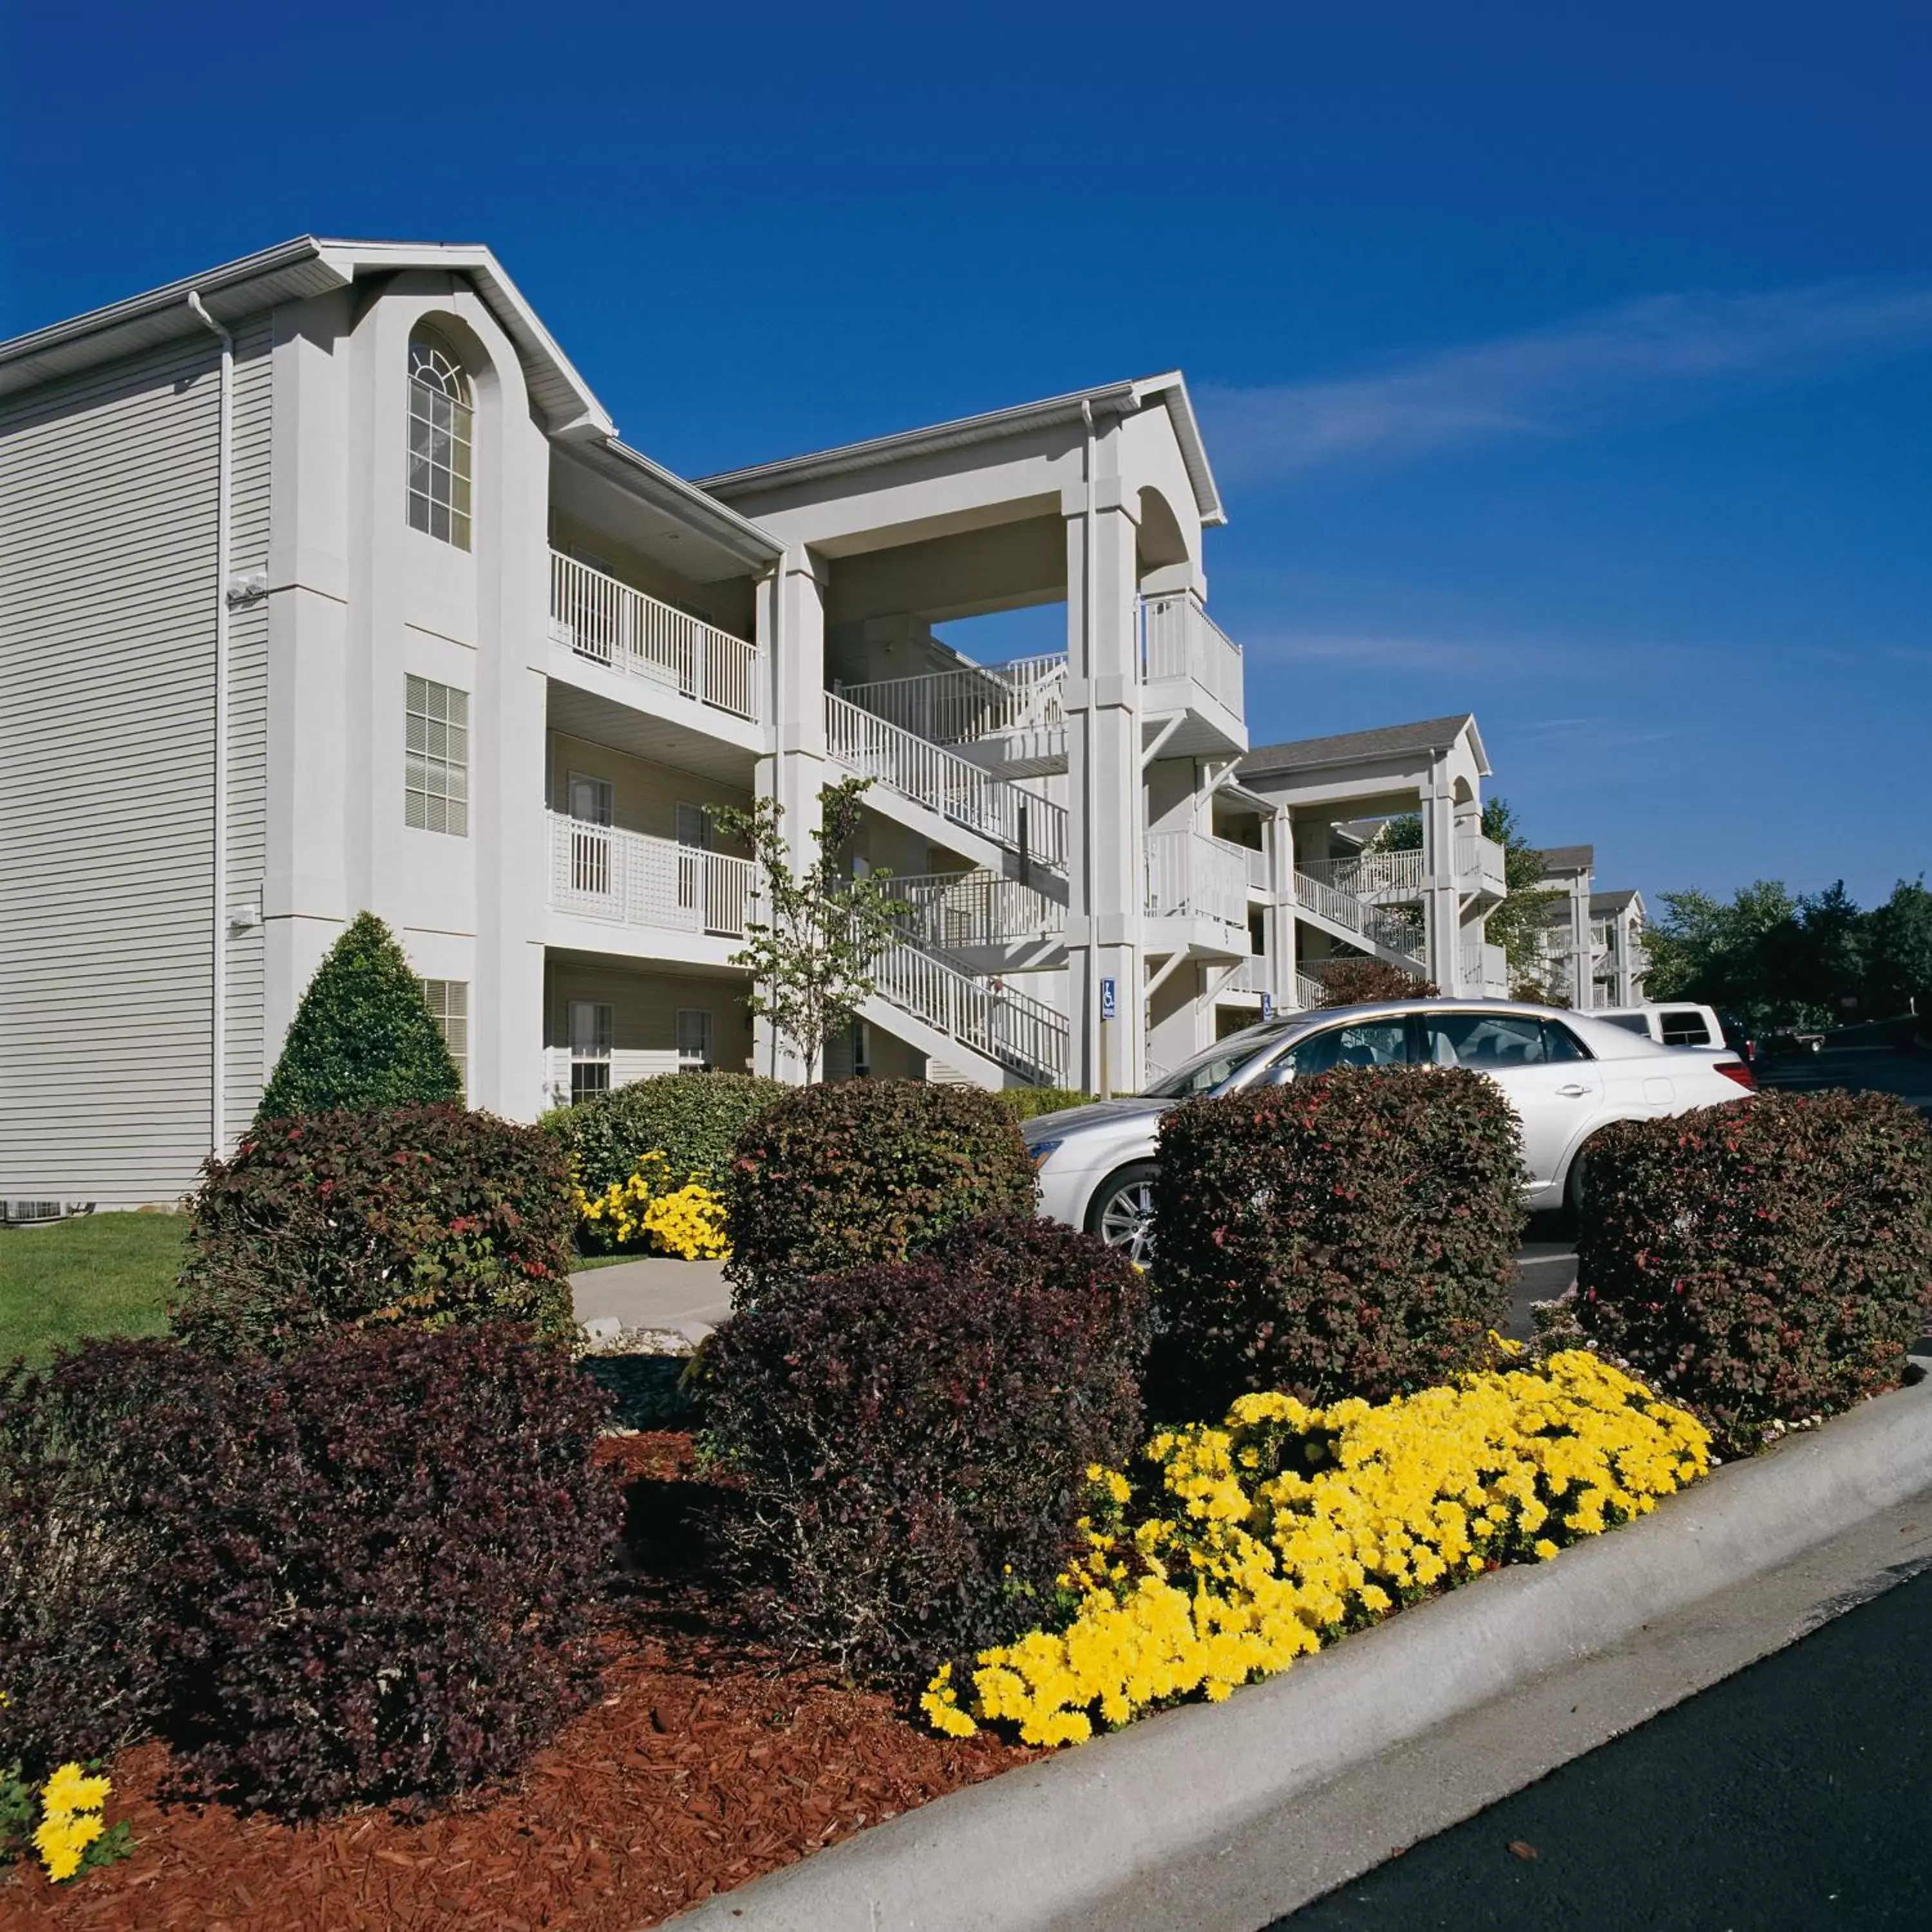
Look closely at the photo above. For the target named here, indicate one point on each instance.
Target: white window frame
(442, 441)
(449, 1002)
(588, 1026)
(696, 1040)
(436, 756)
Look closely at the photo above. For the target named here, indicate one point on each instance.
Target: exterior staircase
(968, 1022)
(1351, 900)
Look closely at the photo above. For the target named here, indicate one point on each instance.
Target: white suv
(1566, 1074)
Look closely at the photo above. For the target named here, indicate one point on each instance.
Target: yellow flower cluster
(70, 1819)
(688, 1221)
(1286, 1526)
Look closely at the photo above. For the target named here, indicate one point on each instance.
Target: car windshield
(1207, 1071)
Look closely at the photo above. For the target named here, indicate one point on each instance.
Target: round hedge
(422, 1215)
(835, 1176)
(913, 1439)
(1763, 1262)
(1354, 1234)
(694, 1119)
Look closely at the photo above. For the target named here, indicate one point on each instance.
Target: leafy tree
(811, 954)
(1899, 965)
(1734, 955)
(363, 1037)
(1401, 833)
(1518, 925)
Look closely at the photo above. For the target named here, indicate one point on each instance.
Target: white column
(1281, 928)
(1442, 950)
(1107, 831)
(791, 629)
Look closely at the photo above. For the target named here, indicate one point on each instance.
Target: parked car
(1679, 1023)
(1566, 1074)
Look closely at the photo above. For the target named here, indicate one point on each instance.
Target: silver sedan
(1566, 1075)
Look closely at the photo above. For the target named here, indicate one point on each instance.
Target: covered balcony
(647, 896)
(1197, 891)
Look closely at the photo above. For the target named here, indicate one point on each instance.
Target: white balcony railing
(1486, 970)
(1013, 1029)
(1479, 864)
(1261, 869)
(1191, 873)
(1253, 975)
(975, 701)
(1369, 874)
(631, 878)
(1178, 639)
(624, 630)
(1310, 992)
(957, 910)
(945, 783)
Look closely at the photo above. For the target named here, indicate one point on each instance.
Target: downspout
(1091, 1000)
(217, 1099)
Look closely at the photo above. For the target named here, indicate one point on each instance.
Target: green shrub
(1028, 1103)
(78, 1553)
(1351, 1234)
(1761, 1263)
(363, 1036)
(427, 1215)
(913, 1438)
(834, 1177)
(693, 1119)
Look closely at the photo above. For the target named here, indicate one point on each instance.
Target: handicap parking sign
(1106, 999)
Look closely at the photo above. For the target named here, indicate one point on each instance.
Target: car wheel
(1575, 1184)
(1121, 1212)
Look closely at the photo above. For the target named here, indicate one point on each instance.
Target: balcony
(609, 624)
(1192, 671)
(1192, 875)
(1486, 971)
(1480, 867)
(1376, 878)
(632, 879)
(964, 912)
(972, 704)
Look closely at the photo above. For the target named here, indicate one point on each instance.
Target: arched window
(440, 439)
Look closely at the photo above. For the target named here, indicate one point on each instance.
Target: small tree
(1518, 925)
(1363, 981)
(363, 1037)
(811, 954)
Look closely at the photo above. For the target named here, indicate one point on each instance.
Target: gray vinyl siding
(107, 590)
(247, 727)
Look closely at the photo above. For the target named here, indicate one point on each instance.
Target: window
(590, 1030)
(449, 1006)
(440, 440)
(1493, 1042)
(1207, 1071)
(694, 1040)
(1630, 1022)
(1684, 1027)
(1367, 1043)
(436, 782)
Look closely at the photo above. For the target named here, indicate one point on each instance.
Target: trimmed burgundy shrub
(913, 1438)
(1761, 1263)
(378, 1559)
(835, 1176)
(1351, 1234)
(1368, 983)
(428, 1215)
(78, 1554)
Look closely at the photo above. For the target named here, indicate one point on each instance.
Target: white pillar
(791, 628)
(1442, 952)
(1107, 831)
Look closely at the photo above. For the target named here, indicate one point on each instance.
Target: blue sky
(1572, 365)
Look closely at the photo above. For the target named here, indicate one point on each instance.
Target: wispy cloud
(1662, 355)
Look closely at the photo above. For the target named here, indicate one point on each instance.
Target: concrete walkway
(656, 1292)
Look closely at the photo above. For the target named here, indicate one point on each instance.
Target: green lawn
(102, 1274)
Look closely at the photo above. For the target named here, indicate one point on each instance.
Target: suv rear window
(1629, 1022)
(1685, 1028)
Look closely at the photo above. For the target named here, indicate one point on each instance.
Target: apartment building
(1382, 853)
(1571, 952)
(328, 584)
(1619, 959)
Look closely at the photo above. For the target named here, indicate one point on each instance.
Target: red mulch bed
(707, 1763)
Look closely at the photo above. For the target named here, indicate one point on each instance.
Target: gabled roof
(1614, 902)
(294, 270)
(1568, 858)
(1113, 398)
(290, 272)
(1348, 747)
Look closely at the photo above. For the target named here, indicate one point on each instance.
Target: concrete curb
(1046, 1845)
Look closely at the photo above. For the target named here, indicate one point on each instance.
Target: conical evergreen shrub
(363, 1037)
